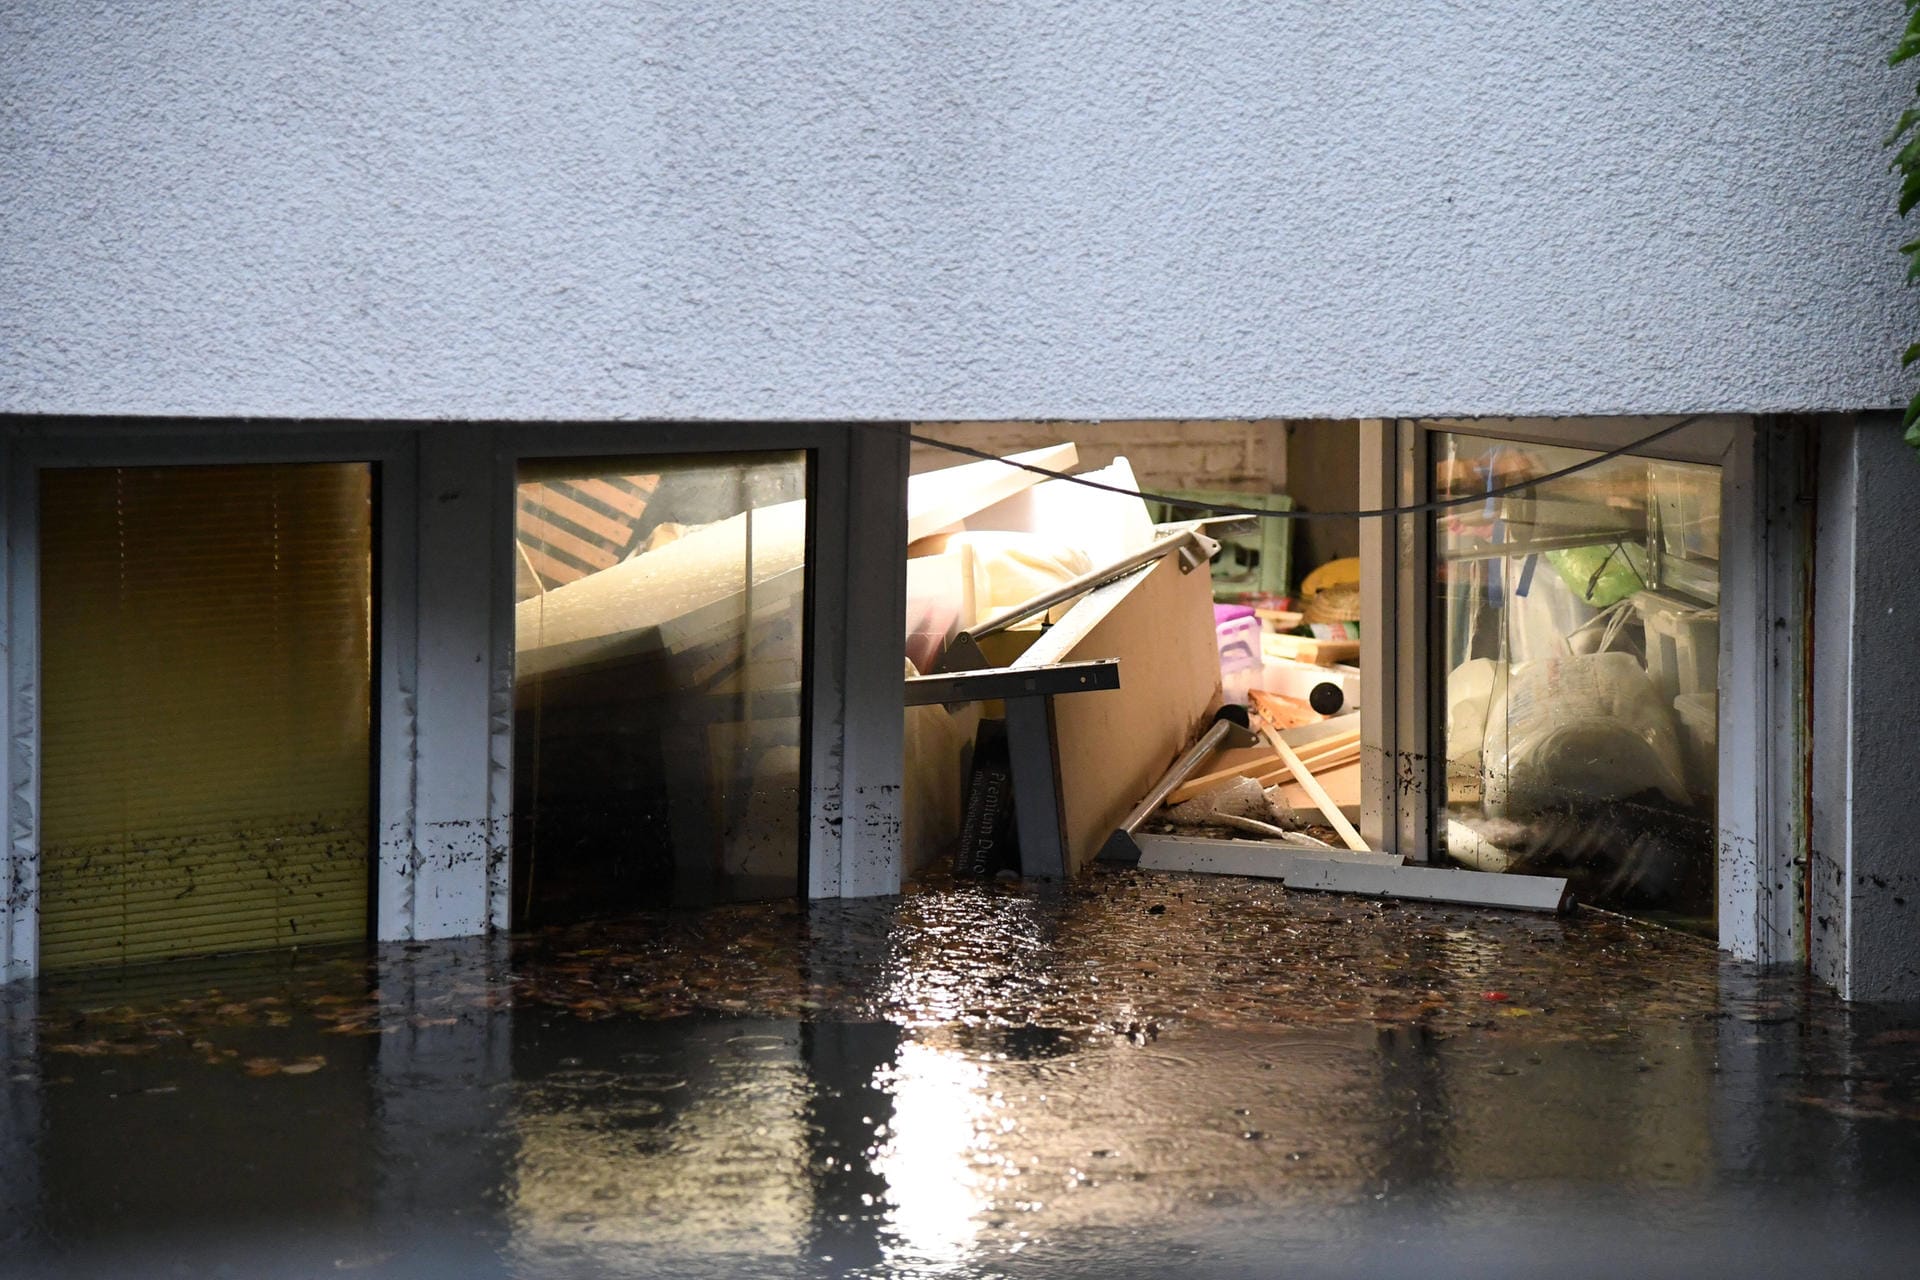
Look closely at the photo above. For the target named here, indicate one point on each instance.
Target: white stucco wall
(1864, 877)
(811, 208)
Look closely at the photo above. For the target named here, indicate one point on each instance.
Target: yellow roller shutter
(205, 671)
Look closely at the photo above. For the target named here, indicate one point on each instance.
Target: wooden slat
(1309, 649)
(1328, 809)
(1268, 768)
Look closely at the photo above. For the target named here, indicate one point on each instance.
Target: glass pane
(1581, 637)
(205, 663)
(658, 642)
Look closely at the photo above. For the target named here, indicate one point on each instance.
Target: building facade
(446, 242)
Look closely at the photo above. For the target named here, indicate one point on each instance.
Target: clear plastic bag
(1588, 725)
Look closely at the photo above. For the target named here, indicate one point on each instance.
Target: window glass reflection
(1581, 635)
(658, 641)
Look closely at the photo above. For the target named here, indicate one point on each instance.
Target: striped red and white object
(571, 528)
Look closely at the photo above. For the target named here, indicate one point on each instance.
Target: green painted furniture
(1258, 559)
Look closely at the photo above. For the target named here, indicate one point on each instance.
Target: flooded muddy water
(1137, 1075)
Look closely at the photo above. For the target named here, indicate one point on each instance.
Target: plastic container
(1239, 642)
(1698, 715)
(1328, 690)
(1683, 646)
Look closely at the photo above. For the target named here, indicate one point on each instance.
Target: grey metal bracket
(1032, 752)
(1187, 541)
(1014, 682)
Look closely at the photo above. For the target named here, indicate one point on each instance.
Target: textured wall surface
(816, 208)
(1864, 878)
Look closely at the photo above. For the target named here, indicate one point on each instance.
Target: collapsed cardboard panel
(1114, 745)
(938, 746)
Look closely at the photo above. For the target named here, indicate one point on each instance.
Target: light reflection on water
(1091, 1090)
(938, 1155)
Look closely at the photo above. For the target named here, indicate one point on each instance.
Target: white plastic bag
(1472, 688)
(1587, 725)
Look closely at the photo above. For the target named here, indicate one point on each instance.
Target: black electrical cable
(1414, 509)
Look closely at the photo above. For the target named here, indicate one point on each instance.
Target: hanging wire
(1227, 509)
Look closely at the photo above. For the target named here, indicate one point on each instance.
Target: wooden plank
(1299, 736)
(1267, 768)
(1322, 766)
(1341, 783)
(1251, 763)
(1309, 649)
(1282, 712)
(1335, 819)
(1323, 748)
(937, 500)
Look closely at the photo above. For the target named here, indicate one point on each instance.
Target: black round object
(1326, 698)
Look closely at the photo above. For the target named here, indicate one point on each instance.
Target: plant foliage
(1906, 163)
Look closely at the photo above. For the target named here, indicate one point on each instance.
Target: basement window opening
(1193, 611)
(1580, 625)
(206, 663)
(658, 682)
(1558, 652)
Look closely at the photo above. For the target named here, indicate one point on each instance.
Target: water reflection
(1092, 1089)
(937, 1160)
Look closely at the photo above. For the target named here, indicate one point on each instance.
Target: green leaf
(1908, 118)
(1912, 354)
(1909, 44)
(1909, 192)
(1912, 420)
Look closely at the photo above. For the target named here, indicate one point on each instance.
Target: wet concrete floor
(1138, 1075)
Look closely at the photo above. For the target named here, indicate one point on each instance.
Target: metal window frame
(445, 664)
(856, 587)
(33, 445)
(1765, 597)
